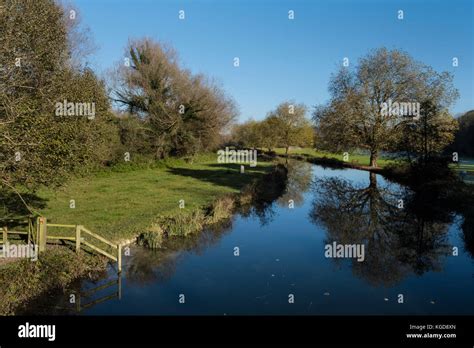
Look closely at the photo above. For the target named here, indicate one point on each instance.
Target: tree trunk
(373, 181)
(286, 152)
(373, 158)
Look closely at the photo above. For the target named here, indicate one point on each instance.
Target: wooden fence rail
(82, 296)
(39, 236)
(78, 238)
(6, 231)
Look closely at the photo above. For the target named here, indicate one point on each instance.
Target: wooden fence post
(30, 229)
(119, 283)
(119, 257)
(78, 301)
(5, 236)
(78, 238)
(42, 233)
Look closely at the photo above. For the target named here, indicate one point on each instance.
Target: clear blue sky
(284, 59)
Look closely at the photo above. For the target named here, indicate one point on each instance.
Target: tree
(40, 68)
(268, 133)
(430, 135)
(355, 115)
(293, 129)
(184, 113)
(248, 134)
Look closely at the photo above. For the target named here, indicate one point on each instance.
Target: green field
(363, 160)
(122, 202)
(466, 167)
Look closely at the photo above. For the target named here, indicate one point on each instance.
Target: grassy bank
(355, 159)
(466, 167)
(24, 280)
(122, 202)
(184, 223)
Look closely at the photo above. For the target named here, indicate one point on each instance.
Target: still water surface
(408, 252)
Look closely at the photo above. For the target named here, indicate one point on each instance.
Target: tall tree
(269, 133)
(184, 113)
(248, 134)
(38, 71)
(293, 128)
(430, 135)
(355, 117)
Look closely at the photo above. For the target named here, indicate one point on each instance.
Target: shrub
(221, 209)
(183, 224)
(152, 238)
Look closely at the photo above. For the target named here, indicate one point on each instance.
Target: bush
(183, 224)
(152, 238)
(221, 209)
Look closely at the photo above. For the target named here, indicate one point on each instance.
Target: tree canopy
(183, 113)
(285, 126)
(357, 115)
(40, 68)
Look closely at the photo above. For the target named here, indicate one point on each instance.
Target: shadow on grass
(226, 175)
(12, 207)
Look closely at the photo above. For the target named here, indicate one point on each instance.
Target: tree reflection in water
(299, 182)
(398, 240)
(146, 266)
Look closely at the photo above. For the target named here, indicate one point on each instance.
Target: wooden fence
(83, 298)
(29, 231)
(40, 236)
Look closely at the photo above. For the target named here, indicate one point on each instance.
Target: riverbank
(282, 248)
(121, 203)
(146, 200)
(396, 169)
(437, 181)
(24, 280)
(353, 160)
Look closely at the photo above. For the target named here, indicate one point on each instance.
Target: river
(270, 260)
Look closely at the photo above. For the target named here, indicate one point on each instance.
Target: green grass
(122, 202)
(381, 162)
(358, 159)
(468, 167)
(24, 280)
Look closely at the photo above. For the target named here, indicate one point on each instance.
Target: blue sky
(283, 59)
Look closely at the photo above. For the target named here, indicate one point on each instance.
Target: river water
(270, 260)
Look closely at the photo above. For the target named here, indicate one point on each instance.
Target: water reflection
(264, 193)
(156, 266)
(299, 181)
(406, 233)
(468, 229)
(76, 298)
(402, 233)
